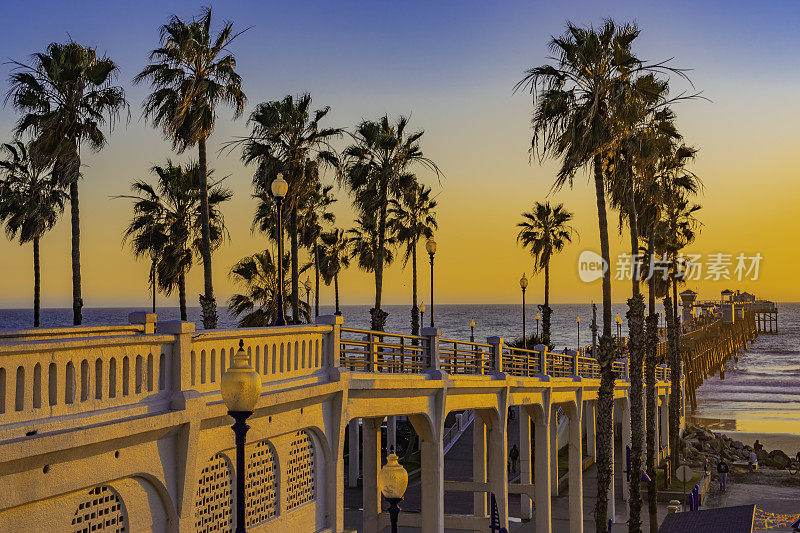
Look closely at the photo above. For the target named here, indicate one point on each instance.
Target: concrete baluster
(497, 353)
(333, 341)
(432, 342)
(542, 349)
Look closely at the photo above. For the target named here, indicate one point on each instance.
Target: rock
(761, 455)
(738, 445)
(778, 459)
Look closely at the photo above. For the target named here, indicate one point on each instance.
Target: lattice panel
(302, 471)
(214, 499)
(100, 510)
(262, 501)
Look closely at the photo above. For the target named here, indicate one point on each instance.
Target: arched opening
(84, 380)
(301, 481)
(52, 383)
(98, 379)
(162, 372)
(193, 367)
(101, 509)
(112, 378)
(202, 366)
(262, 484)
(214, 497)
(139, 371)
(69, 384)
(2, 390)
(126, 375)
(37, 386)
(213, 366)
(150, 372)
(19, 401)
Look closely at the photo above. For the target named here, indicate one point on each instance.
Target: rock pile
(699, 443)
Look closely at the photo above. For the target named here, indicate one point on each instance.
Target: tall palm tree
(546, 231)
(413, 218)
(576, 100)
(66, 95)
(377, 169)
(314, 214)
(333, 259)
(258, 305)
(191, 73)
(286, 138)
(364, 244)
(167, 223)
(30, 205)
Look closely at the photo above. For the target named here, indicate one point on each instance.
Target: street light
(422, 313)
(538, 318)
(472, 330)
(618, 320)
(241, 389)
(279, 189)
(431, 247)
(578, 321)
(393, 481)
(523, 284)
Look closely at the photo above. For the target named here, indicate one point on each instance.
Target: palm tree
(575, 120)
(314, 214)
(30, 204)
(364, 244)
(66, 96)
(376, 170)
(167, 223)
(191, 73)
(334, 258)
(258, 275)
(412, 219)
(546, 231)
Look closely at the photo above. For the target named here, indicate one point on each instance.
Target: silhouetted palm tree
(333, 259)
(66, 96)
(167, 223)
(364, 244)
(30, 205)
(286, 138)
(258, 275)
(191, 73)
(313, 215)
(377, 169)
(546, 231)
(413, 218)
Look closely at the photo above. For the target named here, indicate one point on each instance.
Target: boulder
(761, 455)
(738, 445)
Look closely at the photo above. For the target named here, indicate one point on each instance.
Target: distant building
(737, 519)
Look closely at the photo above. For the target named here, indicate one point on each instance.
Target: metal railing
(456, 357)
(378, 351)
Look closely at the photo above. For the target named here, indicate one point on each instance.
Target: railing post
(372, 356)
(575, 357)
(180, 378)
(497, 352)
(432, 338)
(334, 340)
(147, 320)
(542, 349)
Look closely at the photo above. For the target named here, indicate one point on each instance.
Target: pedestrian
(514, 456)
(753, 461)
(722, 470)
(757, 446)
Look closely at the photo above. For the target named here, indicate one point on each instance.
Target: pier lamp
(523, 284)
(578, 322)
(472, 330)
(422, 313)
(618, 320)
(431, 247)
(308, 296)
(279, 189)
(538, 318)
(241, 388)
(393, 481)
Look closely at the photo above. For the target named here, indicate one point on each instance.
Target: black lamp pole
(524, 337)
(394, 511)
(280, 319)
(431, 254)
(240, 428)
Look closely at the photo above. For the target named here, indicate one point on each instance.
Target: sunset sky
(452, 66)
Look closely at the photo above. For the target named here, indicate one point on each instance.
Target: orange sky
(477, 131)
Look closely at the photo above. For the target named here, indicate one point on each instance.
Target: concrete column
(553, 451)
(432, 478)
(479, 463)
(526, 504)
(498, 462)
(591, 425)
(497, 352)
(432, 343)
(576, 467)
(391, 433)
(354, 442)
(625, 412)
(371, 494)
(542, 471)
(180, 358)
(333, 340)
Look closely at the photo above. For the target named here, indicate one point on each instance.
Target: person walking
(722, 470)
(753, 461)
(514, 456)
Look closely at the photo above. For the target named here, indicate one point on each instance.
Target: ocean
(759, 396)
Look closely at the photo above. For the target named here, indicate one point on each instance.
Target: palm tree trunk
(378, 316)
(636, 327)
(207, 301)
(153, 283)
(336, 292)
(182, 295)
(77, 300)
(673, 340)
(37, 282)
(605, 396)
(295, 267)
(316, 273)
(414, 308)
(650, 366)
(546, 311)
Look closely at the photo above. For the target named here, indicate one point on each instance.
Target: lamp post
(578, 322)
(618, 320)
(538, 318)
(523, 284)
(431, 247)
(241, 389)
(422, 313)
(472, 330)
(279, 189)
(393, 481)
(308, 297)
